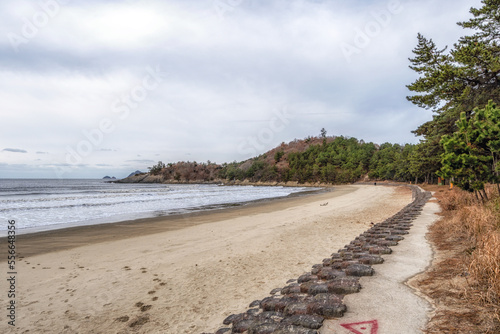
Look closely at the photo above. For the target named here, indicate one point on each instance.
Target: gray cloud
(14, 150)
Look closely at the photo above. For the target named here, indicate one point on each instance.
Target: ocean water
(51, 204)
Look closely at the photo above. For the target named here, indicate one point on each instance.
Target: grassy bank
(464, 280)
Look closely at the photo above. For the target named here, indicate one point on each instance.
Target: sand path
(188, 280)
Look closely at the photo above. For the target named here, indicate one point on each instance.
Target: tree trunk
(475, 193)
(485, 195)
(498, 188)
(416, 181)
(480, 194)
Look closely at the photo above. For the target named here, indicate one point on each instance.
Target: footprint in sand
(145, 308)
(139, 321)
(123, 319)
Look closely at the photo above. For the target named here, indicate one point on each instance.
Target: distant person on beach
(375, 183)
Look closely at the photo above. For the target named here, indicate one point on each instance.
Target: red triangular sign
(366, 327)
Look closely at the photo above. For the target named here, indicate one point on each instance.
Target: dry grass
(485, 268)
(464, 280)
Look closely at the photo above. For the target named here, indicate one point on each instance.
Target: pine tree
(472, 153)
(455, 82)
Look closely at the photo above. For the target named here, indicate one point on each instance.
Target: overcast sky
(94, 88)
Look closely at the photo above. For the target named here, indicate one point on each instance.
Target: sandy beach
(184, 274)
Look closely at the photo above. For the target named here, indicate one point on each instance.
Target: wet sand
(184, 274)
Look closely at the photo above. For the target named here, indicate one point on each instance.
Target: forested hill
(327, 160)
(314, 159)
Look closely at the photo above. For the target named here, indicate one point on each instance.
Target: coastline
(148, 178)
(186, 276)
(129, 215)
